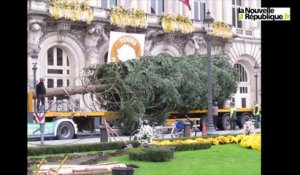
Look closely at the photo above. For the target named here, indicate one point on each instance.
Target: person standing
(215, 112)
(40, 92)
(256, 113)
(233, 117)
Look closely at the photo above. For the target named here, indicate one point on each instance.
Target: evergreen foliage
(150, 87)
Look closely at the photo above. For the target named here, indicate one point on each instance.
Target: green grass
(229, 159)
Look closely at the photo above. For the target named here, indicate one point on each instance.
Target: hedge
(152, 154)
(75, 148)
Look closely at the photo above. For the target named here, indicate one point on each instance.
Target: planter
(122, 171)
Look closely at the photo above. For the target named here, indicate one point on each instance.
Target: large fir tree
(150, 87)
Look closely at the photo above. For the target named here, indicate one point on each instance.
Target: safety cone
(204, 133)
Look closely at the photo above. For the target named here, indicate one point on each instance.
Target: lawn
(229, 159)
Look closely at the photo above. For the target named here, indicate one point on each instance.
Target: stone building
(64, 46)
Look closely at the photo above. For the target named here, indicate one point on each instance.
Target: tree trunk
(73, 90)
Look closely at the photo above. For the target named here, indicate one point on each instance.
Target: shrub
(153, 154)
(34, 151)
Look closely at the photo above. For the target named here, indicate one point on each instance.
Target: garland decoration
(71, 9)
(174, 23)
(132, 17)
(221, 29)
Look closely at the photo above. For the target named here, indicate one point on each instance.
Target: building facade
(64, 47)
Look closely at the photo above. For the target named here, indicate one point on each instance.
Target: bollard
(187, 129)
(42, 130)
(103, 134)
(204, 133)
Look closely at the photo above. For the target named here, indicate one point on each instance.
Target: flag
(187, 3)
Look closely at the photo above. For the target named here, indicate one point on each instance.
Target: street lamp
(34, 57)
(256, 71)
(208, 23)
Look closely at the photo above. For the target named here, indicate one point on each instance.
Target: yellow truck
(67, 124)
(243, 115)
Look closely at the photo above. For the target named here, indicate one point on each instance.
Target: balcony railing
(42, 6)
(100, 13)
(244, 32)
(38, 6)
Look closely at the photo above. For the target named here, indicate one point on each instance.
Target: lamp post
(34, 57)
(256, 70)
(208, 23)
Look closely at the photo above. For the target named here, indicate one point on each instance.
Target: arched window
(58, 70)
(242, 73)
(242, 95)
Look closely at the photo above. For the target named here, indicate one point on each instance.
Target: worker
(41, 94)
(256, 113)
(215, 112)
(233, 117)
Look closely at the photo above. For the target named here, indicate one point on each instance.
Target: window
(243, 90)
(236, 4)
(58, 71)
(105, 58)
(199, 9)
(108, 3)
(59, 57)
(50, 56)
(157, 6)
(244, 102)
(242, 96)
(50, 83)
(242, 73)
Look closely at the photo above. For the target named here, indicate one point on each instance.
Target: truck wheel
(243, 119)
(65, 131)
(225, 122)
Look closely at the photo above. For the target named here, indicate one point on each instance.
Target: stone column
(253, 24)
(168, 6)
(180, 8)
(91, 40)
(122, 3)
(143, 5)
(175, 5)
(246, 23)
(227, 11)
(132, 4)
(218, 10)
(34, 33)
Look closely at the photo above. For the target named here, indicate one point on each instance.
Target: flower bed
(247, 141)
